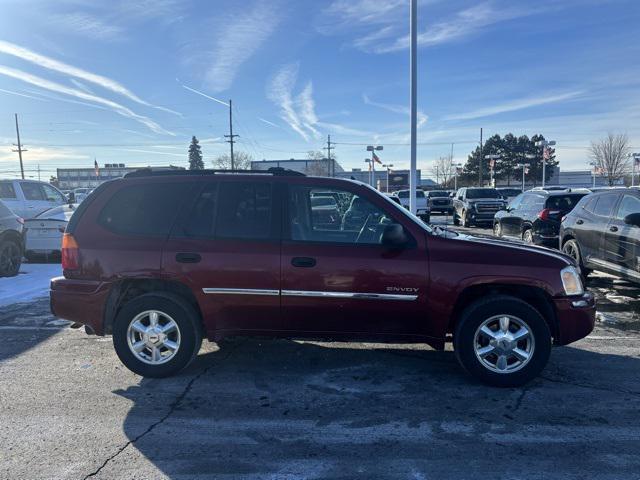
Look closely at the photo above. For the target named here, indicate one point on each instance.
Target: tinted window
(7, 190)
(32, 191)
(200, 221)
(565, 203)
(605, 204)
(628, 205)
(438, 194)
(403, 194)
(590, 204)
(143, 209)
(244, 210)
(362, 222)
(482, 193)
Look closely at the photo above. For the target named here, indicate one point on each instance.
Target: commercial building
(71, 178)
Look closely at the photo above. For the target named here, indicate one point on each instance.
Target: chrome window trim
(241, 291)
(354, 295)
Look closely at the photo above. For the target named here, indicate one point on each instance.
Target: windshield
(473, 193)
(438, 194)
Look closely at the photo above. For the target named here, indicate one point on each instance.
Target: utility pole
(231, 136)
(413, 100)
(38, 172)
(331, 166)
(20, 149)
(480, 179)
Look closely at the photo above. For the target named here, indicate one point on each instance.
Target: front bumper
(576, 317)
(480, 217)
(79, 301)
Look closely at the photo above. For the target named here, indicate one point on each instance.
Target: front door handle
(579, 222)
(613, 228)
(304, 262)
(188, 257)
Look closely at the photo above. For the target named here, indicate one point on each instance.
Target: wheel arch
(535, 296)
(13, 236)
(128, 289)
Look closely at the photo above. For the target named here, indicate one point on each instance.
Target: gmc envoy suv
(161, 259)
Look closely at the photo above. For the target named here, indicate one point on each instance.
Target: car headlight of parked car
(571, 281)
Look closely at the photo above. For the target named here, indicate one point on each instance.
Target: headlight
(571, 281)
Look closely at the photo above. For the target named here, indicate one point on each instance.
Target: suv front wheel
(157, 334)
(503, 341)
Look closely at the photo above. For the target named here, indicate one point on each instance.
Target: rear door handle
(304, 262)
(579, 222)
(613, 228)
(188, 257)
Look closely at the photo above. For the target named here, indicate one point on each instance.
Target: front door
(340, 278)
(594, 223)
(622, 241)
(510, 221)
(226, 249)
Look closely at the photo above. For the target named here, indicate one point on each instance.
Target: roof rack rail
(151, 172)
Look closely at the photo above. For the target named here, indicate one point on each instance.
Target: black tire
(572, 248)
(497, 229)
(465, 219)
(456, 220)
(183, 314)
(527, 236)
(10, 258)
(473, 317)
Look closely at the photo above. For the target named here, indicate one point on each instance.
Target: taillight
(544, 214)
(70, 253)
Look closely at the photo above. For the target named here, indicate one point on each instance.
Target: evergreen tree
(195, 155)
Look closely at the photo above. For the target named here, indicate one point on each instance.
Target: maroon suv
(160, 259)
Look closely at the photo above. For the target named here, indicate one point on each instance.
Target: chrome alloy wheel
(504, 344)
(153, 337)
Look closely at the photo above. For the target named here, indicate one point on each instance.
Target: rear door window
(564, 203)
(628, 205)
(244, 210)
(144, 209)
(7, 191)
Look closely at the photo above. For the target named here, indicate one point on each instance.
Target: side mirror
(633, 219)
(394, 236)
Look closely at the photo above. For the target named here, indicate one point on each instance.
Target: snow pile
(32, 282)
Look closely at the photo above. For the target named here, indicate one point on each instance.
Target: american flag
(375, 158)
(546, 153)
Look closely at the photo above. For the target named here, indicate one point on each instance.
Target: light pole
(388, 167)
(492, 159)
(374, 157)
(544, 144)
(636, 160)
(524, 169)
(456, 167)
(368, 161)
(594, 166)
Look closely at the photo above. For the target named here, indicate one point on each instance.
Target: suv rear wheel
(157, 335)
(10, 258)
(503, 341)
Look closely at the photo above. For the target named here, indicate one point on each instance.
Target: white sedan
(43, 235)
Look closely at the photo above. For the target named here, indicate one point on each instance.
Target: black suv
(603, 233)
(472, 206)
(11, 242)
(535, 216)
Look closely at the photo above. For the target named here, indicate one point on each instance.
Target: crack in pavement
(172, 407)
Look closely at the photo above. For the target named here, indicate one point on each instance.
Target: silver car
(43, 234)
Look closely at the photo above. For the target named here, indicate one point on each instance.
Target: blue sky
(131, 82)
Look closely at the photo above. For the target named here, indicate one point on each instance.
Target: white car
(43, 234)
(422, 205)
(28, 198)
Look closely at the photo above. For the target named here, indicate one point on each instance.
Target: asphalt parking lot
(262, 408)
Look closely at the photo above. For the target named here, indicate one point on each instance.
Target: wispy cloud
(268, 122)
(42, 154)
(56, 87)
(60, 67)
(515, 105)
(401, 109)
(155, 152)
(238, 38)
(80, 85)
(198, 92)
(298, 113)
(10, 92)
(88, 26)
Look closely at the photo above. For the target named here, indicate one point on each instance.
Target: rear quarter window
(144, 209)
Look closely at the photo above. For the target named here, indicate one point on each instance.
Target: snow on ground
(32, 282)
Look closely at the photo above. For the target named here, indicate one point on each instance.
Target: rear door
(510, 219)
(622, 241)
(345, 280)
(591, 232)
(226, 249)
(12, 197)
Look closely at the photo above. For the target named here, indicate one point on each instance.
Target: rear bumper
(576, 317)
(80, 301)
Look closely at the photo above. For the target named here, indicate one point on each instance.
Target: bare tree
(241, 161)
(315, 155)
(317, 168)
(443, 170)
(611, 156)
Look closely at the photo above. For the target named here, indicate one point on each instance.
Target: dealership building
(72, 178)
